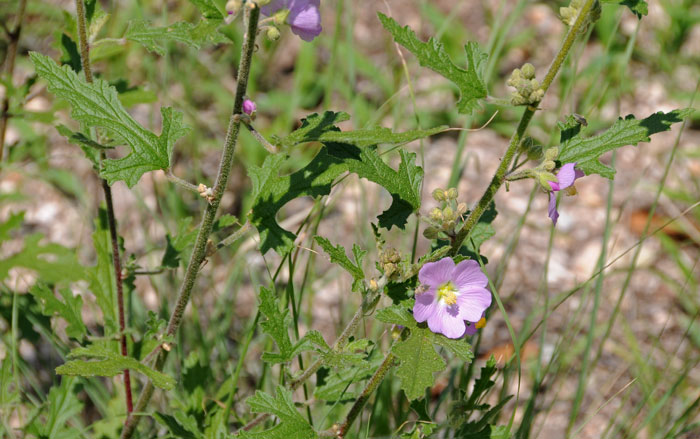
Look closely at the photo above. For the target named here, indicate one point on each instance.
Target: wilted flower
(249, 107)
(566, 177)
(455, 294)
(304, 16)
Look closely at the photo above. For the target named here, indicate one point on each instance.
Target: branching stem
(200, 246)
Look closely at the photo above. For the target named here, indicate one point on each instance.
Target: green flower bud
(551, 153)
(436, 215)
(529, 147)
(528, 71)
(273, 34)
(449, 214)
(451, 193)
(439, 195)
(543, 178)
(430, 232)
(549, 165)
(233, 6)
(280, 17)
(449, 226)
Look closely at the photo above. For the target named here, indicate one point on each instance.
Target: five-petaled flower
(566, 177)
(455, 293)
(304, 16)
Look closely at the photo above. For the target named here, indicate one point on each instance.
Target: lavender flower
(304, 16)
(249, 107)
(566, 177)
(473, 327)
(455, 294)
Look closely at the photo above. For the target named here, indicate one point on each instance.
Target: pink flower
(472, 327)
(249, 107)
(566, 177)
(455, 294)
(304, 16)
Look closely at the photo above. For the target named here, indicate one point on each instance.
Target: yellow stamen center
(447, 293)
(481, 323)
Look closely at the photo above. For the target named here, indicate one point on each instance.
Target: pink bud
(249, 107)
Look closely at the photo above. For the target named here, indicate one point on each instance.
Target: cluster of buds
(389, 262)
(444, 219)
(528, 89)
(570, 13)
(543, 172)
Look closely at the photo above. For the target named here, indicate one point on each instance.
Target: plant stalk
(499, 177)
(13, 37)
(200, 246)
(111, 220)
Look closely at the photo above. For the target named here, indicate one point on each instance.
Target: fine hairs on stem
(496, 182)
(205, 228)
(111, 220)
(9, 69)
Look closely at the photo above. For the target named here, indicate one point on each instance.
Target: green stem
(200, 246)
(13, 41)
(111, 219)
(499, 177)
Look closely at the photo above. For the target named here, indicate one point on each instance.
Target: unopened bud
(461, 208)
(448, 214)
(451, 193)
(439, 195)
(528, 71)
(280, 17)
(436, 214)
(430, 232)
(233, 6)
(551, 153)
(273, 34)
(549, 165)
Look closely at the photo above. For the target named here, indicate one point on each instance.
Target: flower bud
(543, 178)
(280, 17)
(461, 208)
(528, 71)
(233, 6)
(249, 107)
(451, 193)
(430, 232)
(449, 226)
(436, 214)
(551, 153)
(531, 149)
(549, 165)
(448, 214)
(439, 195)
(273, 34)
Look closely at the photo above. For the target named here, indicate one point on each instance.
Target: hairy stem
(499, 177)
(111, 220)
(13, 37)
(200, 246)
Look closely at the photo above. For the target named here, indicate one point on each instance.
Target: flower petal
(436, 273)
(472, 303)
(553, 213)
(566, 176)
(425, 306)
(471, 329)
(446, 322)
(468, 274)
(274, 6)
(305, 18)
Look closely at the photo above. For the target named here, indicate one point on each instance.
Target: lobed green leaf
(585, 152)
(153, 38)
(338, 256)
(109, 363)
(97, 105)
(432, 54)
(291, 426)
(70, 309)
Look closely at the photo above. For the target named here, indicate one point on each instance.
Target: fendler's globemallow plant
(435, 299)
